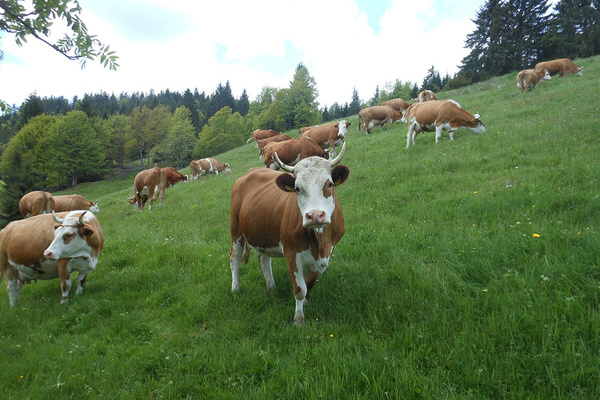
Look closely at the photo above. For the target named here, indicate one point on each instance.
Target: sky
(181, 44)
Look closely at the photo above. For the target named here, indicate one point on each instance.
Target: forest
(55, 143)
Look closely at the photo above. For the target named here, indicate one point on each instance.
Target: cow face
(70, 235)
(313, 182)
(478, 125)
(94, 208)
(343, 128)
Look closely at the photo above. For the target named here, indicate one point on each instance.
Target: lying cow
(207, 166)
(151, 184)
(35, 203)
(294, 216)
(260, 134)
(378, 116)
(292, 151)
(562, 66)
(274, 139)
(329, 135)
(72, 202)
(440, 115)
(426, 95)
(37, 248)
(531, 77)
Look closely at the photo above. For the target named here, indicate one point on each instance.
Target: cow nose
(315, 217)
(48, 254)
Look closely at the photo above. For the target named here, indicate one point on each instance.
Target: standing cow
(292, 151)
(531, 77)
(295, 216)
(72, 202)
(438, 115)
(328, 135)
(397, 104)
(151, 184)
(426, 95)
(37, 248)
(378, 115)
(562, 66)
(207, 166)
(260, 134)
(35, 203)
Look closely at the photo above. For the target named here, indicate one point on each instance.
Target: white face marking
(343, 129)
(312, 175)
(94, 208)
(67, 243)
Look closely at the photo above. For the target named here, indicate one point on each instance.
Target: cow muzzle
(316, 219)
(49, 255)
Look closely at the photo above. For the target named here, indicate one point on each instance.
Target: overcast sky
(183, 44)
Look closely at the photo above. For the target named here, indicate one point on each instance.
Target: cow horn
(80, 220)
(337, 160)
(56, 218)
(282, 164)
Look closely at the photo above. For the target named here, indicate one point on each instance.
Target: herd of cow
(293, 214)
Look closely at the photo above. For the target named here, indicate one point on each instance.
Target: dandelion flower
(475, 192)
(331, 335)
(536, 235)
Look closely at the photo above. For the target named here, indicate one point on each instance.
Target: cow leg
(80, 283)
(438, 133)
(410, 134)
(13, 286)
(151, 198)
(310, 279)
(235, 257)
(296, 271)
(65, 279)
(267, 270)
(451, 134)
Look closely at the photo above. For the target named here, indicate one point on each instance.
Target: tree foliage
(225, 130)
(176, 149)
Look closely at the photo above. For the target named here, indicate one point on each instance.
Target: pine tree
(31, 107)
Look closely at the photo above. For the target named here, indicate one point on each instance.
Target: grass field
(438, 290)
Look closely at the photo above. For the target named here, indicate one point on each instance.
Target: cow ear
(286, 182)
(339, 174)
(348, 124)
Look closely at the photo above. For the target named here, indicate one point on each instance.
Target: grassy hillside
(439, 289)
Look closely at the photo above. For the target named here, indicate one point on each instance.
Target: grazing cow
(35, 203)
(562, 66)
(173, 176)
(207, 166)
(397, 104)
(292, 151)
(294, 216)
(378, 115)
(439, 115)
(274, 139)
(329, 135)
(36, 248)
(531, 77)
(260, 134)
(151, 184)
(426, 95)
(306, 128)
(72, 202)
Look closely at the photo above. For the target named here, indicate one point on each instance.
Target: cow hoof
(64, 301)
(299, 321)
(235, 288)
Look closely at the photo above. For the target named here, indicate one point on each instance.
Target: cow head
(313, 181)
(478, 126)
(94, 207)
(70, 236)
(343, 128)
(546, 76)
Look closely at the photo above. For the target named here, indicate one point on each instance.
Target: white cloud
(241, 41)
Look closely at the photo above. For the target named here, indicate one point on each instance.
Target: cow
(426, 95)
(35, 203)
(397, 104)
(207, 166)
(328, 135)
(151, 184)
(531, 77)
(440, 115)
(72, 202)
(562, 66)
(306, 128)
(274, 139)
(378, 115)
(260, 134)
(50, 246)
(295, 216)
(292, 151)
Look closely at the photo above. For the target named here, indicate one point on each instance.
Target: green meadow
(470, 269)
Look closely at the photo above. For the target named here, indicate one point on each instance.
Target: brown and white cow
(306, 128)
(72, 202)
(35, 203)
(438, 115)
(207, 166)
(426, 95)
(327, 135)
(151, 184)
(531, 77)
(378, 116)
(562, 66)
(274, 139)
(296, 216)
(292, 151)
(397, 104)
(260, 134)
(37, 248)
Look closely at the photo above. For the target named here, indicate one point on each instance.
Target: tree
(73, 150)
(176, 148)
(116, 129)
(190, 103)
(37, 20)
(225, 130)
(355, 103)
(221, 98)
(29, 109)
(146, 128)
(432, 80)
(243, 104)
